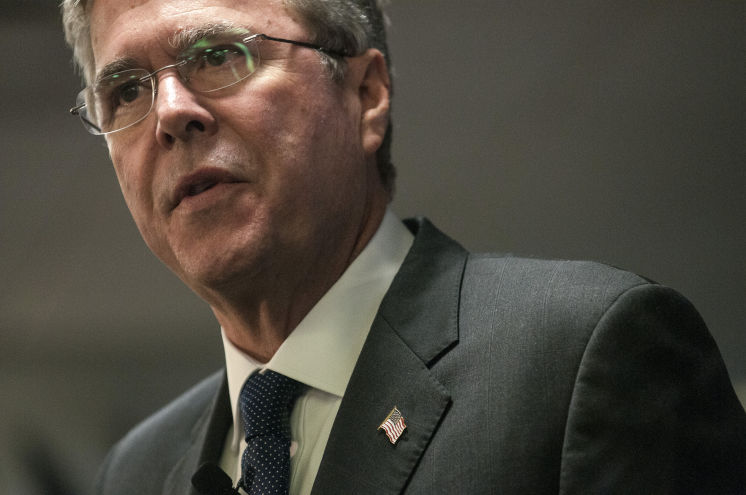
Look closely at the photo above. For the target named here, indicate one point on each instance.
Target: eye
(128, 92)
(120, 96)
(217, 56)
(123, 88)
(211, 65)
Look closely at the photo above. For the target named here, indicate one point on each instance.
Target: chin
(215, 274)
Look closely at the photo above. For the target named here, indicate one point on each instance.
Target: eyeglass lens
(125, 98)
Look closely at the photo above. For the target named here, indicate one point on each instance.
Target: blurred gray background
(611, 131)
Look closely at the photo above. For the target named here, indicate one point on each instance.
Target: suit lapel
(416, 324)
(207, 438)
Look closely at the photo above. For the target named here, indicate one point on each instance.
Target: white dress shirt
(321, 352)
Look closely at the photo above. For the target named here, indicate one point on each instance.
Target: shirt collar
(323, 349)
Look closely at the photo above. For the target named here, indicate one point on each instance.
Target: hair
(349, 26)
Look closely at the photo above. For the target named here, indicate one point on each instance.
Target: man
(251, 142)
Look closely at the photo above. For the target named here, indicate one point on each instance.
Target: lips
(200, 181)
(198, 188)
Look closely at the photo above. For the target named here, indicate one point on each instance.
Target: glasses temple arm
(76, 111)
(336, 53)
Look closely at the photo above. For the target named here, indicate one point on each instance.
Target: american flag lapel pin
(393, 425)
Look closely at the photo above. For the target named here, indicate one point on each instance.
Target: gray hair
(351, 26)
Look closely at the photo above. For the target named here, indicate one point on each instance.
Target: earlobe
(374, 93)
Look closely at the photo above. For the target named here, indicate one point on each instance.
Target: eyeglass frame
(261, 36)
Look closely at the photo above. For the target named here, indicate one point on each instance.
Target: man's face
(286, 166)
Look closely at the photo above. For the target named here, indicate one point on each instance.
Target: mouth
(196, 189)
(200, 181)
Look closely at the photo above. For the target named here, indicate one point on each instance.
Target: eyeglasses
(121, 100)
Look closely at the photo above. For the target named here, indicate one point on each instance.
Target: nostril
(195, 124)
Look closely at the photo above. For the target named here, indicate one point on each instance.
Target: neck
(259, 321)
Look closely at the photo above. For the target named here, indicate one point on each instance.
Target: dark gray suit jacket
(514, 376)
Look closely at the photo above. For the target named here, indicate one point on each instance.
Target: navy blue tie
(266, 401)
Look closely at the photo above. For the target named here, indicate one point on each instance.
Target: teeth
(198, 188)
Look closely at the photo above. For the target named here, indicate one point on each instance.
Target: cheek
(125, 176)
(278, 137)
(132, 174)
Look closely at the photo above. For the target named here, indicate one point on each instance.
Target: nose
(179, 114)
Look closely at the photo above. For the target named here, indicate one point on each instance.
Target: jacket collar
(416, 324)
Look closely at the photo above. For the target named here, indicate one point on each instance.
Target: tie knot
(266, 401)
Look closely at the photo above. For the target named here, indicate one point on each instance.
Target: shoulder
(560, 294)
(583, 308)
(150, 450)
(627, 366)
(555, 304)
(551, 274)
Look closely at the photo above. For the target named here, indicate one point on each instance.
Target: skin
(304, 196)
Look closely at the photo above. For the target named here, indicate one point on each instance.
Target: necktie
(266, 401)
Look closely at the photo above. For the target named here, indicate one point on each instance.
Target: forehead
(130, 28)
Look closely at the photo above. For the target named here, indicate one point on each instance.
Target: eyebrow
(116, 65)
(188, 37)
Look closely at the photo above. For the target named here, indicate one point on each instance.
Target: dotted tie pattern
(266, 401)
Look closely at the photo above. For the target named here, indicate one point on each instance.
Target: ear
(374, 90)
